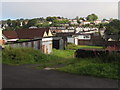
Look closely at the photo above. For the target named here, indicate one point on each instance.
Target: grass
(89, 67)
(89, 47)
(21, 40)
(75, 47)
(100, 67)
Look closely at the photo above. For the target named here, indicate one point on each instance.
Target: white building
(97, 21)
(85, 22)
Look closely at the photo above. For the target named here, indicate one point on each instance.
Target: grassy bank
(101, 67)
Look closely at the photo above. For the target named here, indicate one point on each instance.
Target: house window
(86, 36)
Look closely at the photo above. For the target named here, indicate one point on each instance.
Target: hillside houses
(76, 31)
(73, 22)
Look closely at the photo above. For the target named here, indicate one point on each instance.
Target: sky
(34, 9)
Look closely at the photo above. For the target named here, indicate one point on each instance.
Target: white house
(97, 21)
(85, 22)
(72, 40)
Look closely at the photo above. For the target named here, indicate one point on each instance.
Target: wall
(70, 40)
(76, 40)
(44, 45)
(47, 45)
(84, 42)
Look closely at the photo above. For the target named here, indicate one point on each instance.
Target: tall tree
(92, 17)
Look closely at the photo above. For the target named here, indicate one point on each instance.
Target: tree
(14, 23)
(18, 22)
(41, 19)
(104, 19)
(32, 22)
(113, 28)
(51, 18)
(92, 17)
(81, 19)
(78, 21)
(9, 22)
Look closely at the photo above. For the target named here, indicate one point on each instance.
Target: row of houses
(84, 22)
(73, 29)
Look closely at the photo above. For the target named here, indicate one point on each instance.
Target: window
(86, 36)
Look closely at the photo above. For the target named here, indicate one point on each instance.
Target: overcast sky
(16, 10)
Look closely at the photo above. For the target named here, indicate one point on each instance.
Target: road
(26, 77)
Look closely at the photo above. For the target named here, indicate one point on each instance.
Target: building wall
(76, 40)
(47, 45)
(44, 45)
(45, 34)
(49, 33)
(84, 42)
(70, 40)
(1, 41)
